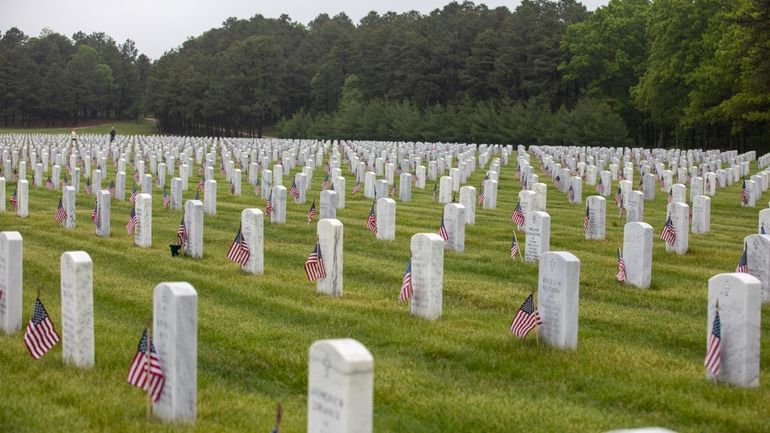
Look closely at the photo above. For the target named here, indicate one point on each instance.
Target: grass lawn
(122, 127)
(639, 360)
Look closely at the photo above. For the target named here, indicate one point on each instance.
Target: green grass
(122, 127)
(639, 360)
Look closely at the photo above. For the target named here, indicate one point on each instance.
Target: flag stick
(517, 243)
(278, 417)
(147, 366)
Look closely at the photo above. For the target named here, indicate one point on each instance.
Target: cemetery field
(639, 360)
(122, 127)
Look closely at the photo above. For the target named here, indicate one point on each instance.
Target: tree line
(638, 72)
(52, 78)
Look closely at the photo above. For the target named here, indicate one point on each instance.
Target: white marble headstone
(637, 253)
(143, 229)
(597, 215)
(558, 294)
(252, 227)
(386, 219)
(537, 226)
(193, 221)
(427, 275)
(330, 237)
(77, 309)
(454, 221)
(11, 256)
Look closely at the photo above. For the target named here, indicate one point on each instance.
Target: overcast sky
(160, 25)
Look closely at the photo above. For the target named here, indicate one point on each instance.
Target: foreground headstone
(252, 227)
(103, 213)
(701, 214)
(330, 237)
(454, 221)
(386, 219)
(739, 306)
(77, 309)
(637, 254)
(558, 293)
(597, 215)
(143, 230)
(427, 275)
(340, 387)
(11, 256)
(193, 222)
(538, 235)
(68, 202)
(175, 336)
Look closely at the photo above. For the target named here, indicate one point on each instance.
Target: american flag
(136, 176)
(670, 195)
(357, 187)
(294, 191)
(406, 284)
(14, 199)
(570, 194)
(61, 214)
(269, 205)
(668, 233)
(371, 222)
(181, 233)
(435, 192)
(713, 359)
(87, 189)
(239, 250)
(619, 197)
(257, 189)
(621, 176)
(621, 275)
(744, 194)
(94, 212)
(514, 247)
(526, 318)
(314, 265)
(557, 181)
(743, 263)
(442, 230)
(201, 184)
(132, 221)
(325, 184)
(518, 215)
(166, 198)
(137, 373)
(40, 335)
(222, 171)
(587, 220)
(311, 213)
(111, 188)
(49, 183)
(393, 191)
(482, 198)
(134, 192)
(201, 170)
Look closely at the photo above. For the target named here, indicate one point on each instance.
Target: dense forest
(637, 72)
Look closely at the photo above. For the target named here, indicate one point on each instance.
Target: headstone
(277, 175)
(577, 187)
(2, 194)
(267, 183)
(102, 213)
(454, 174)
(454, 221)
(147, 184)
(558, 292)
(758, 258)
(490, 194)
(678, 193)
(680, 217)
(537, 227)
(252, 227)
(541, 196)
(405, 187)
(68, 202)
(330, 237)
(175, 336)
(468, 199)
(445, 190)
(427, 275)
(696, 187)
(381, 188)
(22, 197)
(637, 253)
(210, 197)
(606, 178)
(120, 186)
(701, 214)
(738, 297)
(328, 204)
(340, 387)
(77, 309)
(193, 222)
(143, 230)
(96, 180)
(176, 193)
(236, 182)
(596, 206)
(625, 190)
(386, 219)
(11, 256)
(648, 186)
(763, 226)
(635, 207)
(370, 179)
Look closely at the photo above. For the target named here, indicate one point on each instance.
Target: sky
(161, 25)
